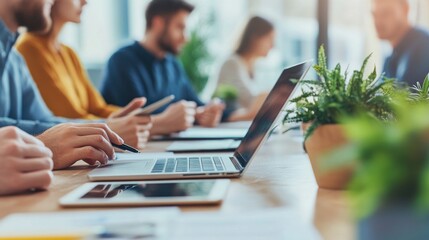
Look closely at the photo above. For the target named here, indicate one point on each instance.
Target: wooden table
(280, 176)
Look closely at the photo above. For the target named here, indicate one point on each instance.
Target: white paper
(275, 224)
(88, 224)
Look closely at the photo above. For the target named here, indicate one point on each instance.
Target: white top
(234, 72)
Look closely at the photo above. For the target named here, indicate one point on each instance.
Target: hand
(210, 115)
(177, 117)
(248, 114)
(25, 163)
(135, 130)
(132, 106)
(73, 142)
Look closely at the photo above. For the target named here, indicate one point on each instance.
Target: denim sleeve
(31, 127)
(33, 105)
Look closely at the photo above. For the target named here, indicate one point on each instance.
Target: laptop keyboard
(192, 164)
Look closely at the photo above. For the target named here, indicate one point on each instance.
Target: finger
(88, 129)
(91, 130)
(144, 136)
(144, 128)
(89, 154)
(35, 164)
(143, 120)
(191, 104)
(143, 139)
(35, 151)
(27, 138)
(97, 142)
(35, 180)
(114, 137)
(191, 111)
(14, 133)
(92, 162)
(200, 110)
(133, 105)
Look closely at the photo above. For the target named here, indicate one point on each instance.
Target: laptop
(213, 165)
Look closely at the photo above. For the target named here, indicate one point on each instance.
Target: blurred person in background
(150, 68)
(409, 61)
(239, 69)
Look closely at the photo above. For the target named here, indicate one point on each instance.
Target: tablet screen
(149, 190)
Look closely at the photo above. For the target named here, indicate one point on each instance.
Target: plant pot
(395, 221)
(323, 141)
(231, 105)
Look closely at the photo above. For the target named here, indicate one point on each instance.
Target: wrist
(158, 125)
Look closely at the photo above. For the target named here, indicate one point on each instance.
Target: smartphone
(154, 106)
(153, 193)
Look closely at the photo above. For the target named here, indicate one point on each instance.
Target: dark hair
(165, 8)
(256, 27)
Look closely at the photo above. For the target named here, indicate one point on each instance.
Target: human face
(34, 14)
(264, 44)
(389, 17)
(68, 10)
(172, 38)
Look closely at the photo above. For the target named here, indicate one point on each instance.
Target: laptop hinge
(236, 163)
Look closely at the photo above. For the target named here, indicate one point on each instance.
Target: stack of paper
(152, 223)
(276, 224)
(158, 223)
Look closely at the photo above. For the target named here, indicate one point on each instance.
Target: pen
(126, 147)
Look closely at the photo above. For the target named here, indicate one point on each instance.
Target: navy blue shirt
(409, 62)
(134, 72)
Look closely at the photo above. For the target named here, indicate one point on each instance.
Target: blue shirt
(409, 62)
(20, 102)
(134, 72)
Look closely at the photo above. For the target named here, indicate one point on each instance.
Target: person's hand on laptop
(177, 117)
(25, 162)
(70, 143)
(134, 129)
(211, 114)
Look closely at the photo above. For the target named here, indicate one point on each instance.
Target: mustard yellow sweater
(62, 80)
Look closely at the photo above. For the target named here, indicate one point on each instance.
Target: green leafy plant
(420, 93)
(324, 101)
(195, 56)
(391, 158)
(226, 92)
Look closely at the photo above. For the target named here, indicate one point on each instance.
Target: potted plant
(389, 191)
(228, 94)
(323, 102)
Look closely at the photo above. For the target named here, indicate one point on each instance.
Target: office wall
(109, 24)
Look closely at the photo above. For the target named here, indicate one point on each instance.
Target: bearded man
(149, 68)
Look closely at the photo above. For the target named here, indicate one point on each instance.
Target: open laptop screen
(269, 112)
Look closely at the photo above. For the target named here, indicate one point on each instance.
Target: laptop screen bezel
(304, 67)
